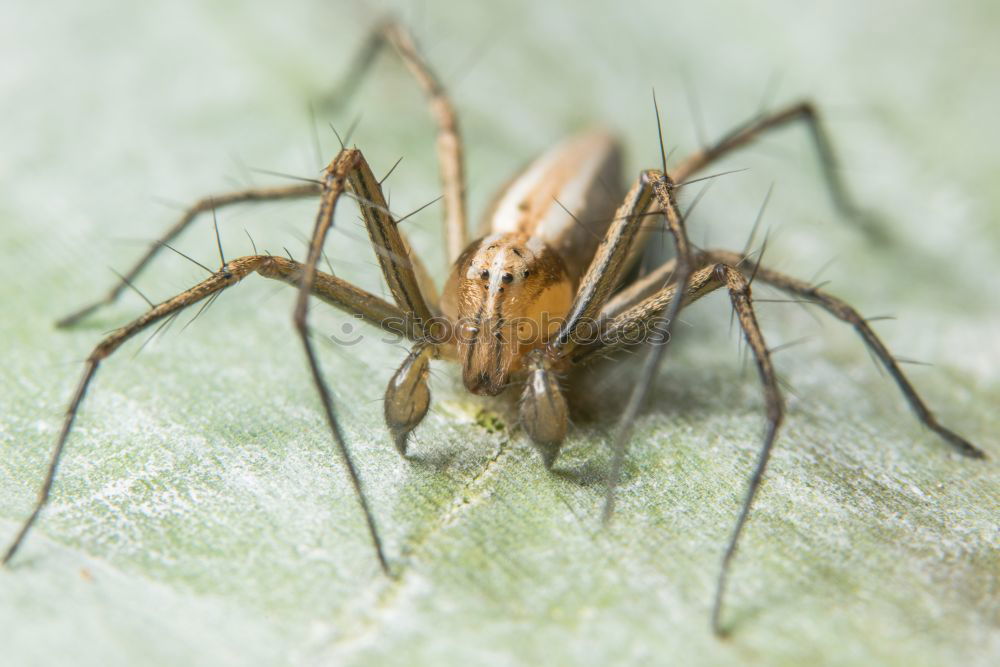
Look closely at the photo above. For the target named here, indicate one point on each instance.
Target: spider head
(506, 296)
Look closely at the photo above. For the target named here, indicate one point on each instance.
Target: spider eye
(507, 277)
(485, 275)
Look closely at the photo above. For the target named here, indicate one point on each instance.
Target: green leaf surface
(201, 515)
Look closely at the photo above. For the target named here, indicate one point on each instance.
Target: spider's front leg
(623, 328)
(401, 271)
(543, 410)
(721, 269)
(407, 397)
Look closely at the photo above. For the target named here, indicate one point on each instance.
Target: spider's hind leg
(803, 112)
(390, 33)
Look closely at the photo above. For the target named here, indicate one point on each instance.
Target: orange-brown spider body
(510, 290)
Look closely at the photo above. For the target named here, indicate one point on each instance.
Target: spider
(549, 285)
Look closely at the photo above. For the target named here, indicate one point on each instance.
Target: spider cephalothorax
(506, 296)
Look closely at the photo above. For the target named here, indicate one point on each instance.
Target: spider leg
(739, 294)
(719, 268)
(542, 401)
(449, 141)
(329, 288)
(449, 148)
(607, 268)
(663, 188)
(804, 112)
(846, 313)
(400, 266)
(543, 410)
(633, 326)
(639, 290)
(407, 396)
(598, 283)
(298, 191)
(350, 165)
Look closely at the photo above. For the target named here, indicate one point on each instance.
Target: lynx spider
(537, 263)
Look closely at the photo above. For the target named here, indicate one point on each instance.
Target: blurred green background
(201, 516)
